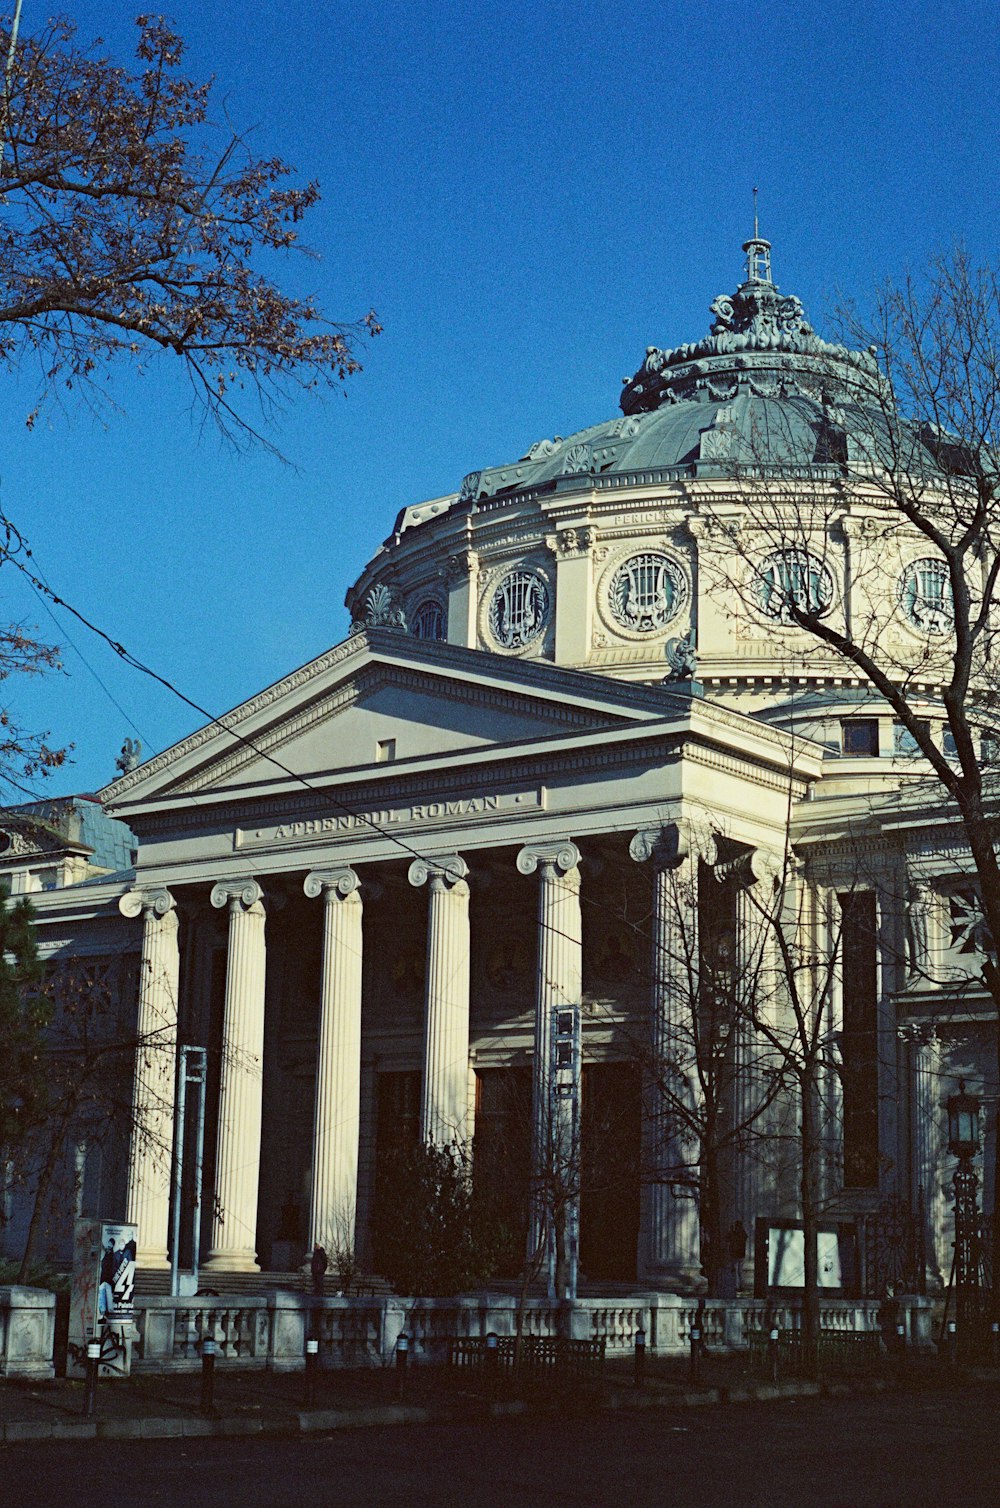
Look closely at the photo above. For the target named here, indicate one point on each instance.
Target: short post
(402, 1357)
(312, 1367)
(901, 1338)
(90, 1385)
(995, 1343)
(772, 1353)
(640, 1356)
(952, 1343)
(207, 1375)
(493, 1361)
(696, 1350)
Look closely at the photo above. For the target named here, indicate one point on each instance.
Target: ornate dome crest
(755, 329)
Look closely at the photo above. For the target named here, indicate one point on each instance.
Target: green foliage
(431, 1233)
(24, 1016)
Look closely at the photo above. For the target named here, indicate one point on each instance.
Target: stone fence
(270, 1330)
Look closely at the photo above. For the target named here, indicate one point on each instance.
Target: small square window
(860, 735)
(564, 1055)
(385, 751)
(564, 1023)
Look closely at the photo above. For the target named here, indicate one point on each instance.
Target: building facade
(570, 751)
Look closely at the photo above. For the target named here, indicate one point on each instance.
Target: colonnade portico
(669, 1230)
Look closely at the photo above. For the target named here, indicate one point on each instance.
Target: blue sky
(529, 194)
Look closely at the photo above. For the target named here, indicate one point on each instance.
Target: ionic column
(754, 876)
(444, 1109)
(671, 1206)
(337, 1117)
(559, 981)
(152, 1130)
(926, 1139)
(237, 1163)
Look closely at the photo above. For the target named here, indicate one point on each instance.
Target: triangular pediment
(378, 698)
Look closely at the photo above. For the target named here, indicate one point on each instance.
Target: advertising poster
(102, 1297)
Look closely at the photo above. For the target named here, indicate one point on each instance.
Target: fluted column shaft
(337, 1117)
(444, 1110)
(152, 1130)
(927, 1140)
(559, 982)
(671, 1213)
(237, 1163)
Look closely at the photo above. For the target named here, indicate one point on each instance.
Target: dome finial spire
(758, 251)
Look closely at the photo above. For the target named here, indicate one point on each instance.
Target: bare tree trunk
(712, 1244)
(809, 1147)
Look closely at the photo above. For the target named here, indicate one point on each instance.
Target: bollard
(312, 1367)
(696, 1354)
(772, 1354)
(952, 1343)
(493, 1361)
(901, 1338)
(995, 1343)
(90, 1384)
(640, 1357)
(207, 1375)
(402, 1357)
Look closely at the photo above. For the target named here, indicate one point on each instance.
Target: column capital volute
(444, 869)
(917, 1033)
(560, 856)
(755, 867)
(152, 901)
(238, 895)
(331, 883)
(667, 845)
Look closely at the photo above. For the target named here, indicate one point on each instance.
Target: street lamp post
(963, 1143)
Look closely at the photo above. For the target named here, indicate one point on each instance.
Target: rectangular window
(859, 1039)
(860, 736)
(385, 751)
(904, 742)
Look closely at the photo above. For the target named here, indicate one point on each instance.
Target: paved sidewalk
(254, 1402)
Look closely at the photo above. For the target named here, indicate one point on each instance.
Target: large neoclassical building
(376, 892)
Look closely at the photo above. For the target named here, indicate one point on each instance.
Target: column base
(231, 1261)
(673, 1277)
(151, 1259)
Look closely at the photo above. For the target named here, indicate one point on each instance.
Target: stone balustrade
(270, 1331)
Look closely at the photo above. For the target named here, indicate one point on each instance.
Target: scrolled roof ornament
(381, 610)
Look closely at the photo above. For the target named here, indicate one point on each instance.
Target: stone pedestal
(152, 1132)
(444, 1112)
(337, 1118)
(237, 1165)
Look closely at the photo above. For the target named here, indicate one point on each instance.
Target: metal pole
(90, 1386)
(312, 1362)
(402, 1357)
(640, 1357)
(207, 1375)
(199, 1077)
(175, 1242)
